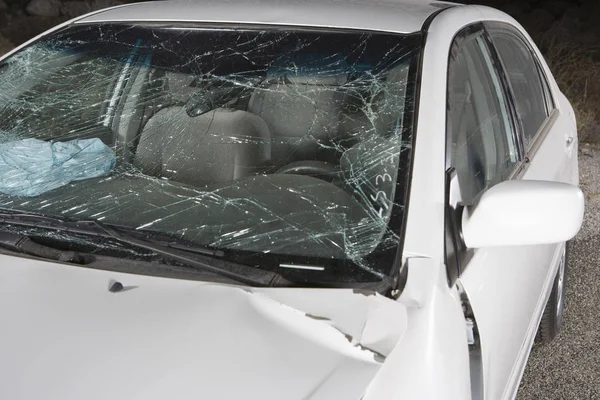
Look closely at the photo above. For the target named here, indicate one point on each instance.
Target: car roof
(398, 16)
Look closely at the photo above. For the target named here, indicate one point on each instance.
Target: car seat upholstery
(159, 89)
(179, 86)
(301, 102)
(370, 167)
(218, 146)
(374, 105)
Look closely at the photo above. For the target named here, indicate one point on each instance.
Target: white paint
(508, 286)
(403, 16)
(431, 361)
(369, 320)
(524, 212)
(65, 336)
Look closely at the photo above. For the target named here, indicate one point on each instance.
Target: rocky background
(567, 32)
(20, 20)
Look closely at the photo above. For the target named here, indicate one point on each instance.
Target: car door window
(483, 147)
(528, 84)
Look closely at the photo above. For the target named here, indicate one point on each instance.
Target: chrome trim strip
(298, 266)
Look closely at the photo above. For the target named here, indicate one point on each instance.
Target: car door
(506, 287)
(549, 133)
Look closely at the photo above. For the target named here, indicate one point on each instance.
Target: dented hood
(66, 336)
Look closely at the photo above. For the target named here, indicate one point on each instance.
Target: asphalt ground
(569, 367)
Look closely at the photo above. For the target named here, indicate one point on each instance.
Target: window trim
(514, 120)
(405, 163)
(549, 100)
(512, 104)
(456, 254)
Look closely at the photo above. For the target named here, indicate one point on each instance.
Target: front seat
(301, 101)
(219, 146)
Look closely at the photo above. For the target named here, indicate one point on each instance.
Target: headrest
(180, 85)
(310, 69)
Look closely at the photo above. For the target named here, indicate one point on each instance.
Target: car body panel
(518, 278)
(66, 336)
(507, 287)
(111, 344)
(404, 16)
(431, 361)
(168, 337)
(507, 322)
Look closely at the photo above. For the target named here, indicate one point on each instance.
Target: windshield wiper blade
(24, 244)
(94, 227)
(196, 257)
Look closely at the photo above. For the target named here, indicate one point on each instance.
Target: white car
(281, 200)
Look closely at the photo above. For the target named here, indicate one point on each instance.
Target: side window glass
(525, 79)
(483, 148)
(547, 93)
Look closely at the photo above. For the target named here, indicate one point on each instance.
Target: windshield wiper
(24, 244)
(198, 257)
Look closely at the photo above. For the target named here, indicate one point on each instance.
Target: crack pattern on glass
(274, 145)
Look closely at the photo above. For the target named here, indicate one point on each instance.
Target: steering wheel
(317, 169)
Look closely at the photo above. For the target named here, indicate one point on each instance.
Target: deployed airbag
(30, 167)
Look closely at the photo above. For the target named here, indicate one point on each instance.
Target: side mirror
(524, 212)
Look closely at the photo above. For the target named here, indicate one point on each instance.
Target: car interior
(203, 132)
(298, 142)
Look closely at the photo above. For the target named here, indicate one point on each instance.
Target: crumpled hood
(66, 336)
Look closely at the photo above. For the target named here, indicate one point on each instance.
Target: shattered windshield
(286, 149)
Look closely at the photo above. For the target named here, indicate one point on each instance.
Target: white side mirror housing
(524, 212)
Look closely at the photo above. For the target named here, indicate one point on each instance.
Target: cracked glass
(285, 149)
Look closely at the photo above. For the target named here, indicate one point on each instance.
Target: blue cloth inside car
(30, 167)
